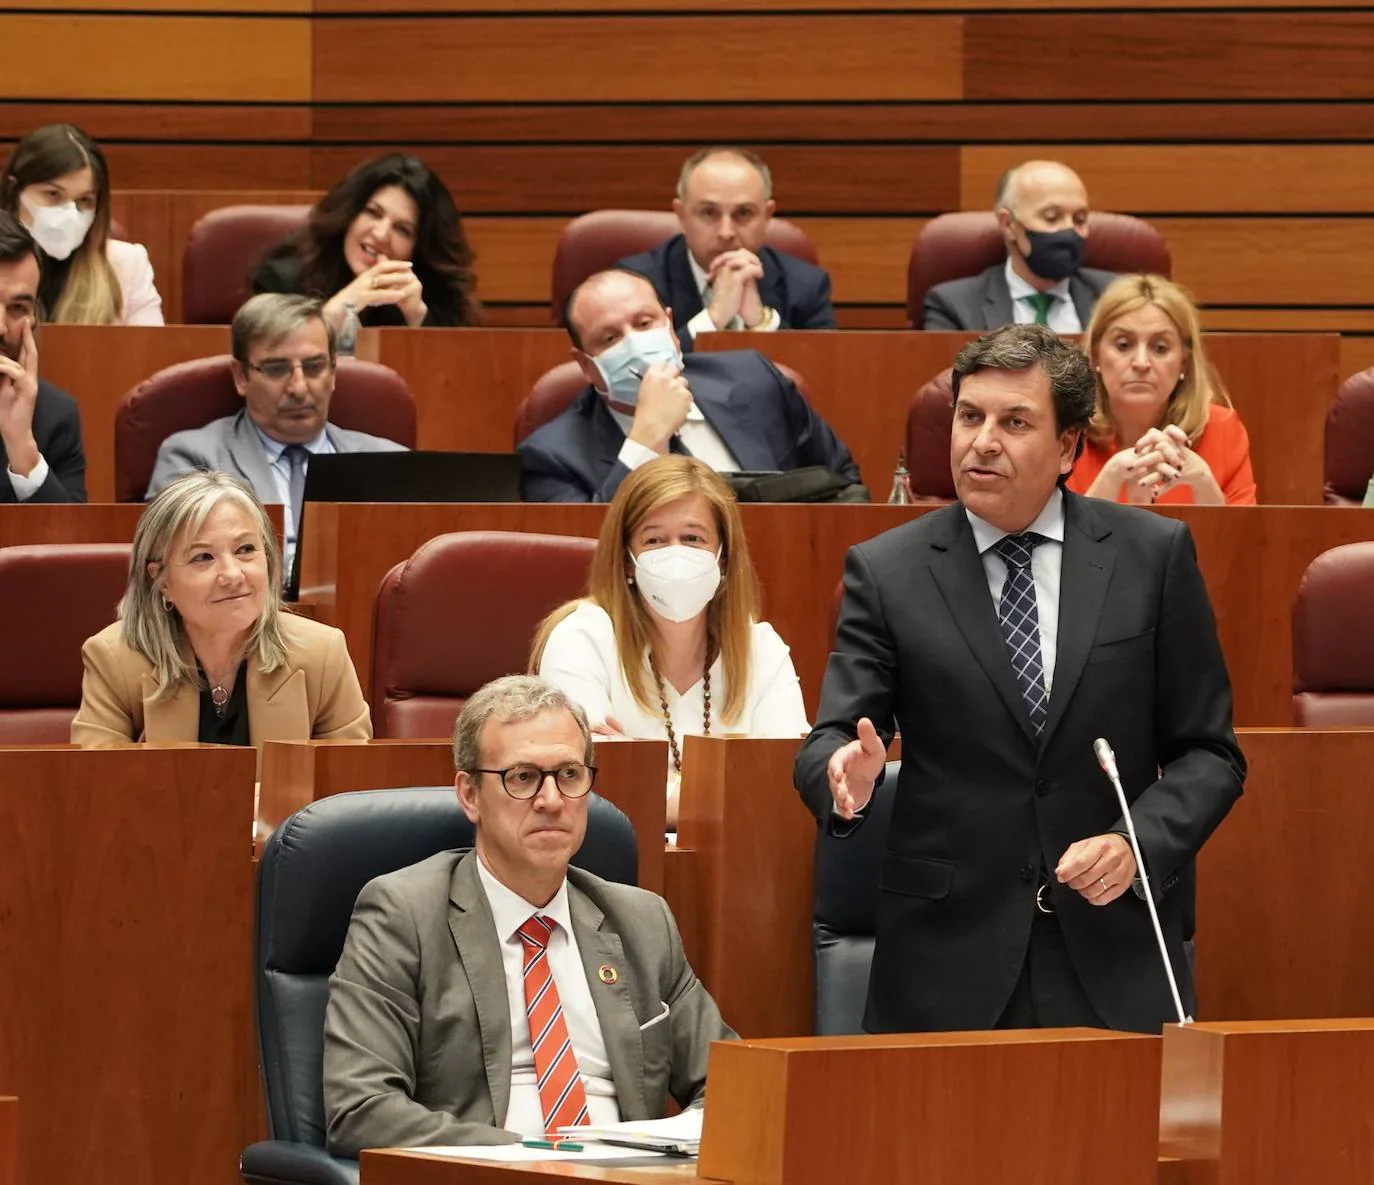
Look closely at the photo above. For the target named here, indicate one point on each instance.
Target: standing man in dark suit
(496, 993)
(1042, 211)
(734, 410)
(40, 426)
(1002, 635)
(718, 273)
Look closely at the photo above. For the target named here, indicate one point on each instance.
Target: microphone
(1107, 760)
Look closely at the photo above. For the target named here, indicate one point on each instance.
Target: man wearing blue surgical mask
(1042, 213)
(732, 410)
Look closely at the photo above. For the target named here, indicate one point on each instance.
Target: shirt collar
(511, 911)
(1049, 523)
(1020, 290)
(698, 274)
(275, 448)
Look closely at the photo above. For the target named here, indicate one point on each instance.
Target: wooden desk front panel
(126, 959)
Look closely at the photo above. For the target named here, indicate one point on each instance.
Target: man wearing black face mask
(1042, 211)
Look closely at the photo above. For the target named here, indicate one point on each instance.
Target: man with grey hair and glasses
(719, 273)
(488, 995)
(1002, 635)
(284, 355)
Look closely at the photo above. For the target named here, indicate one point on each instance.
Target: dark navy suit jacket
(756, 409)
(57, 432)
(799, 291)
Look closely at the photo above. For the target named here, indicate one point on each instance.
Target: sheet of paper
(518, 1153)
(685, 1126)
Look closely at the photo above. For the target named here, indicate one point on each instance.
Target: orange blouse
(1224, 445)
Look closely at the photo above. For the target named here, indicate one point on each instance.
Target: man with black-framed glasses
(284, 353)
(488, 995)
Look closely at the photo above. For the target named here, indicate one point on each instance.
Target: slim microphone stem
(1109, 768)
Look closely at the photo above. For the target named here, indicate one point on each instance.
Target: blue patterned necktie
(1020, 621)
(296, 456)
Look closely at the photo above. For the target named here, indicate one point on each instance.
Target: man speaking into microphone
(1002, 635)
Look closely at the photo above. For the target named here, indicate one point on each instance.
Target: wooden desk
(48, 523)
(126, 962)
(9, 1140)
(1252, 558)
(862, 383)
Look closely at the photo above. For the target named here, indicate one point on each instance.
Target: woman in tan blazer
(203, 650)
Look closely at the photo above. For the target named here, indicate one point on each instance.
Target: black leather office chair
(844, 918)
(312, 870)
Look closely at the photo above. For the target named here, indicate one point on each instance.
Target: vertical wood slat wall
(1244, 130)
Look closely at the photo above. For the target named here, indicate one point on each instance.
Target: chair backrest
(596, 241)
(929, 421)
(952, 246)
(313, 867)
(368, 397)
(223, 251)
(53, 596)
(1333, 640)
(1350, 441)
(844, 919)
(459, 613)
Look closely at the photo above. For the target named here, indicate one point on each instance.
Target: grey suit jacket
(417, 1039)
(232, 445)
(984, 301)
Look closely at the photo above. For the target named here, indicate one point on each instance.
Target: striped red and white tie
(561, 1096)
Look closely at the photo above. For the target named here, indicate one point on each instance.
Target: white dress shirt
(702, 441)
(511, 911)
(1063, 317)
(1047, 560)
(280, 468)
(702, 322)
(26, 486)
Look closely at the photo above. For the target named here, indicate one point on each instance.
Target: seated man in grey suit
(451, 964)
(1042, 210)
(284, 355)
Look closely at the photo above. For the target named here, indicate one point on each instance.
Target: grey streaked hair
(1073, 387)
(510, 699)
(156, 632)
(270, 316)
(1002, 198)
(698, 158)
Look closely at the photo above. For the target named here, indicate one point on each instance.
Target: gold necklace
(668, 716)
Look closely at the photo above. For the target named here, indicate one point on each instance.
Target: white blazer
(134, 270)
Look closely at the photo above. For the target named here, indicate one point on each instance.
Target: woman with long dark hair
(386, 242)
(57, 184)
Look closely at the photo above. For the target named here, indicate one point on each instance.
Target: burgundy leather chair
(1350, 441)
(554, 391)
(929, 419)
(53, 596)
(223, 251)
(952, 246)
(459, 613)
(368, 397)
(1333, 640)
(601, 239)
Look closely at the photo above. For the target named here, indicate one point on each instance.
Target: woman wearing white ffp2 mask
(667, 643)
(56, 183)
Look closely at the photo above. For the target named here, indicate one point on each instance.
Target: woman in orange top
(1164, 430)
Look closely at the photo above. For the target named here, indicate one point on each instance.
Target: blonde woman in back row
(667, 642)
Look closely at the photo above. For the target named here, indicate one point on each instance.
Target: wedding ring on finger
(1106, 888)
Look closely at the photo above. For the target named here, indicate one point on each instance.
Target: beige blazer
(314, 696)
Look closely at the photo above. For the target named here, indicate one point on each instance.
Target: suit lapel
(1085, 576)
(730, 418)
(1083, 297)
(606, 434)
(773, 289)
(959, 574)
(278, 708)
(683, 293)
(615, 1011)
(997, 308)
(245, 447)
(175, 718)
(479, 952)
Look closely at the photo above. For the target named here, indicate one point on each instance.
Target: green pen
(554, 1145)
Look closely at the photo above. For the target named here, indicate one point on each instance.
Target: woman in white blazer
(57, 184)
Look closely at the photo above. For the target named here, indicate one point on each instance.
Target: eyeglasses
(278, 370)
(572, 779)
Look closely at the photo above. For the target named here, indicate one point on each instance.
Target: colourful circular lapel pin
(607, 973)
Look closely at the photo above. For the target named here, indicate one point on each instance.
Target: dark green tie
(1042, 302)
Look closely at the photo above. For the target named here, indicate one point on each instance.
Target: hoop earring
(167, 605)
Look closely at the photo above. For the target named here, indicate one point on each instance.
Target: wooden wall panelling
(1150, 56)
(459, 7)
(527, 58)
(1357, 354)
(140, 56)
(158, 122)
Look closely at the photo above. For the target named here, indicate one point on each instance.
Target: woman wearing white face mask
(57, 184)
(666, 643)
